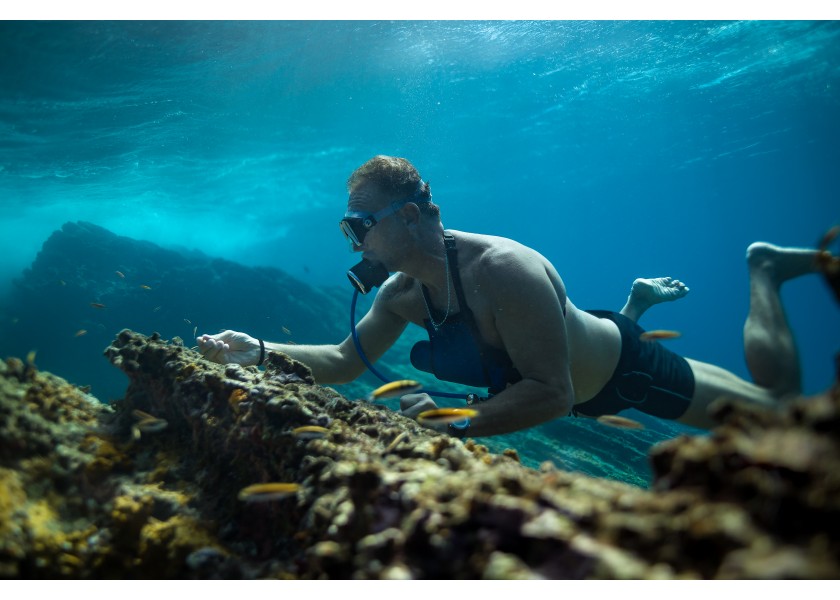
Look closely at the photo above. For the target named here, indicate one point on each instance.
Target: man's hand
(230, 347)
(412, 405)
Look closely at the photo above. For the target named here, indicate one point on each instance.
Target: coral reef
(87, 492)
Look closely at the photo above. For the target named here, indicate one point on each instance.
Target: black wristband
(262, 352)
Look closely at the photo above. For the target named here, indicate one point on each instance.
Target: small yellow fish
(146, 423)
(309, 432)
(120, 274)
(97, 305)
(140, 415)
(620, 422)
(146, 287)
(267, 492)
(30, 358)
(659, 334)
(395, 388)
(151, 425)
(445, 415)
(81, 332)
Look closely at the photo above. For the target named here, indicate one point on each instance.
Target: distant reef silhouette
(87, 283)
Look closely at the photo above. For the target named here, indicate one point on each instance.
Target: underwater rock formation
(87, 283)
(153, 487)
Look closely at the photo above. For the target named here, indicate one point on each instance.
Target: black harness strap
(467, 315)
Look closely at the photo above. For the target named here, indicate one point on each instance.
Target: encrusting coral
(377, 495)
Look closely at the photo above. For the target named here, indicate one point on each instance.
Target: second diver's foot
(648, 292)
(779, 263)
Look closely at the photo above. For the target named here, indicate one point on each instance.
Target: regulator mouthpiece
(367, 275)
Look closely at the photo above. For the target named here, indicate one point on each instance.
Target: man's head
(380, 188)
(394, 179)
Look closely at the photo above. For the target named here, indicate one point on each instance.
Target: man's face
(366, 224)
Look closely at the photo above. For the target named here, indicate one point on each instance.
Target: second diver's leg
(647, 292)
(771, 353)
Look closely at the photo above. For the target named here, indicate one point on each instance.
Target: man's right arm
(330, 363)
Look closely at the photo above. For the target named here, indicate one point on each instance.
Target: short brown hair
(396, 177)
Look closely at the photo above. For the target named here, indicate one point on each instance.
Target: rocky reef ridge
(152, 486)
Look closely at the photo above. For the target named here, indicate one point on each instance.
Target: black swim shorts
(648, 377)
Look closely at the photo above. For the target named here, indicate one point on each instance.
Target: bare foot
(780, 264)
(647, 292)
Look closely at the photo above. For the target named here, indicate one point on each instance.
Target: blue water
(616, 149)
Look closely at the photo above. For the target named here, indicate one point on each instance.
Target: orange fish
(620, 422)
(659, 334)
(445, 415)
(120, 274)
(97, 305)
(81, 332)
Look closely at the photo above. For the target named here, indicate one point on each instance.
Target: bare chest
(413, 307)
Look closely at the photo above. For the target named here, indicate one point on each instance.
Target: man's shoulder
(490, 248)
(504, 253)
(395, 287)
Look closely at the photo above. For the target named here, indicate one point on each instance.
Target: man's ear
(411, 213)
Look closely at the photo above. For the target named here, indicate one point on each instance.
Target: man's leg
(712, 382)
(770, 349)
(647, 292)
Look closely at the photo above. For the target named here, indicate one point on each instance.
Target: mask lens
(353, 230)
